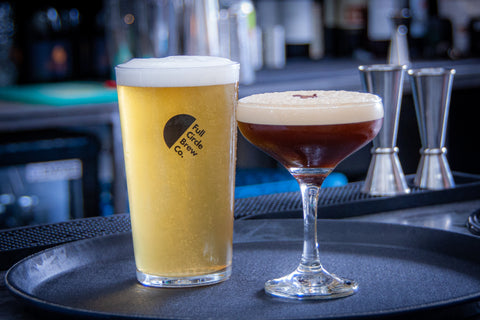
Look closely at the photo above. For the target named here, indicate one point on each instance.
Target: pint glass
(179, 135)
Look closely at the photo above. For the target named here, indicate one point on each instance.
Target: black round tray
(401, 271)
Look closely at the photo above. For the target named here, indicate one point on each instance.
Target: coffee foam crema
(309, 108)
(177, 71)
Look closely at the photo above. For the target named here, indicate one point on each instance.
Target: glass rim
(431, 71)
(230, 63)
(382, 67)
(177, 71)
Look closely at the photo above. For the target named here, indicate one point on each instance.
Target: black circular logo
(184, 135)
(176, 127)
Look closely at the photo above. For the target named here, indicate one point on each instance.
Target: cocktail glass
(309, 133)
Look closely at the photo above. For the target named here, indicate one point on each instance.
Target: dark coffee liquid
(310, 146)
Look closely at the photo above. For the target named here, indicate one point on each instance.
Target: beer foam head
(177, 71)
(309, 108)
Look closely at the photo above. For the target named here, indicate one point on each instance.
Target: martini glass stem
(310, 181)
(310, 280)
(310, 255)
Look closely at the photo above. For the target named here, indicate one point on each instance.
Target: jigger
(385, 175)
(431, 93)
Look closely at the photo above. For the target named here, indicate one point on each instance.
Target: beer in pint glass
(179, 134)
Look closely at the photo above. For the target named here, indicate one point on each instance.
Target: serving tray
(401, 270)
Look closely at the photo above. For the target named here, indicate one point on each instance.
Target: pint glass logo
(183, 135)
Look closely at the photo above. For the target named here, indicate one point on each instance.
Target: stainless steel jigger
(385, 175)
(431, 93)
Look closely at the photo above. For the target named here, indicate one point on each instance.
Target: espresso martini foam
(309, 108)
(310, 129)
(177, 71)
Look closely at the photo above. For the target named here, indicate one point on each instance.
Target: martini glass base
(310, 284)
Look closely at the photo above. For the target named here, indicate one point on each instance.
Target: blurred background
(60, 141)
